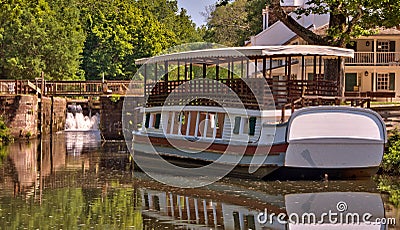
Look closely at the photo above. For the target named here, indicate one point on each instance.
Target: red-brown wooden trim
(212, 147)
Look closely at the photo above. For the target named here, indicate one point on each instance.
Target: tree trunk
(334, 71)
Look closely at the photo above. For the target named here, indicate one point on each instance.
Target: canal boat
(264, 110)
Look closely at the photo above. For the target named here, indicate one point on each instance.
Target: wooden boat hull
(188, 159)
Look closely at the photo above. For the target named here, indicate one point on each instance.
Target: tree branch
(306, 34)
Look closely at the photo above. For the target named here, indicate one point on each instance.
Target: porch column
(145, 78)
(264, 70)
(156, 71)
(186, 71)
(217, 70)
(191, 70)
(241, 68)
(166, 72)
(247, 68)
(256, 67)
(270, 67)
(375, 45)
(179, 71)
(375, 74)
(166, 77)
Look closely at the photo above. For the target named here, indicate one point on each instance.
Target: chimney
(265, 13)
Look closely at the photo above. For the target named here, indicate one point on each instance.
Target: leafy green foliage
(232, 23)
(5, 136)
(391, 187)
(115, 98)
(3, 153)
(391, 158)
(348, 19)
(118, 32)
(38, 36)
(76, 39)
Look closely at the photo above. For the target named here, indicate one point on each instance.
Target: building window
(383, 46)
(382, 81)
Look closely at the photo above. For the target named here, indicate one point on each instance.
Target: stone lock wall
(111, 116)
(59, 114)
(21, 114)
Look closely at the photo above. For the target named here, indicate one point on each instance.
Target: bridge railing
(73, 88)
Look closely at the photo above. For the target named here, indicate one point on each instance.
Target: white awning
(201, 56)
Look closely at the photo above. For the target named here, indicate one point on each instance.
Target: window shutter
(392, 46)
(147, 122)
(392, 81)
(158, 119)
(237, 125)
(252, 125)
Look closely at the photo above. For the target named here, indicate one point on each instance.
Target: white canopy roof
(251, 51)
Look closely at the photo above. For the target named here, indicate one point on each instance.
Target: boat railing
(253, 92)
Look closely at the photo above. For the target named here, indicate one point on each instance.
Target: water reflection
(79, 142)
(45, 184)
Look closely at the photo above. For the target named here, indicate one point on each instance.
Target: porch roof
(210, 56)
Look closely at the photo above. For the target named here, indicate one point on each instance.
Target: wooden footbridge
(72, 88)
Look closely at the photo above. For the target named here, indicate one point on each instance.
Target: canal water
(76, 181)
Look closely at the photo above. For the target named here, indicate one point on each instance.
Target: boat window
(147, 122)
(212, 120)
(245, 125)
(236, 220)
(252, 125)
(237, 125)
(158, 119)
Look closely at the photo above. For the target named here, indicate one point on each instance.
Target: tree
(38, 36)
(174, 19)
(110, 27)
(227, 23)
(232, 23)
(348, 19)
(120, 31)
